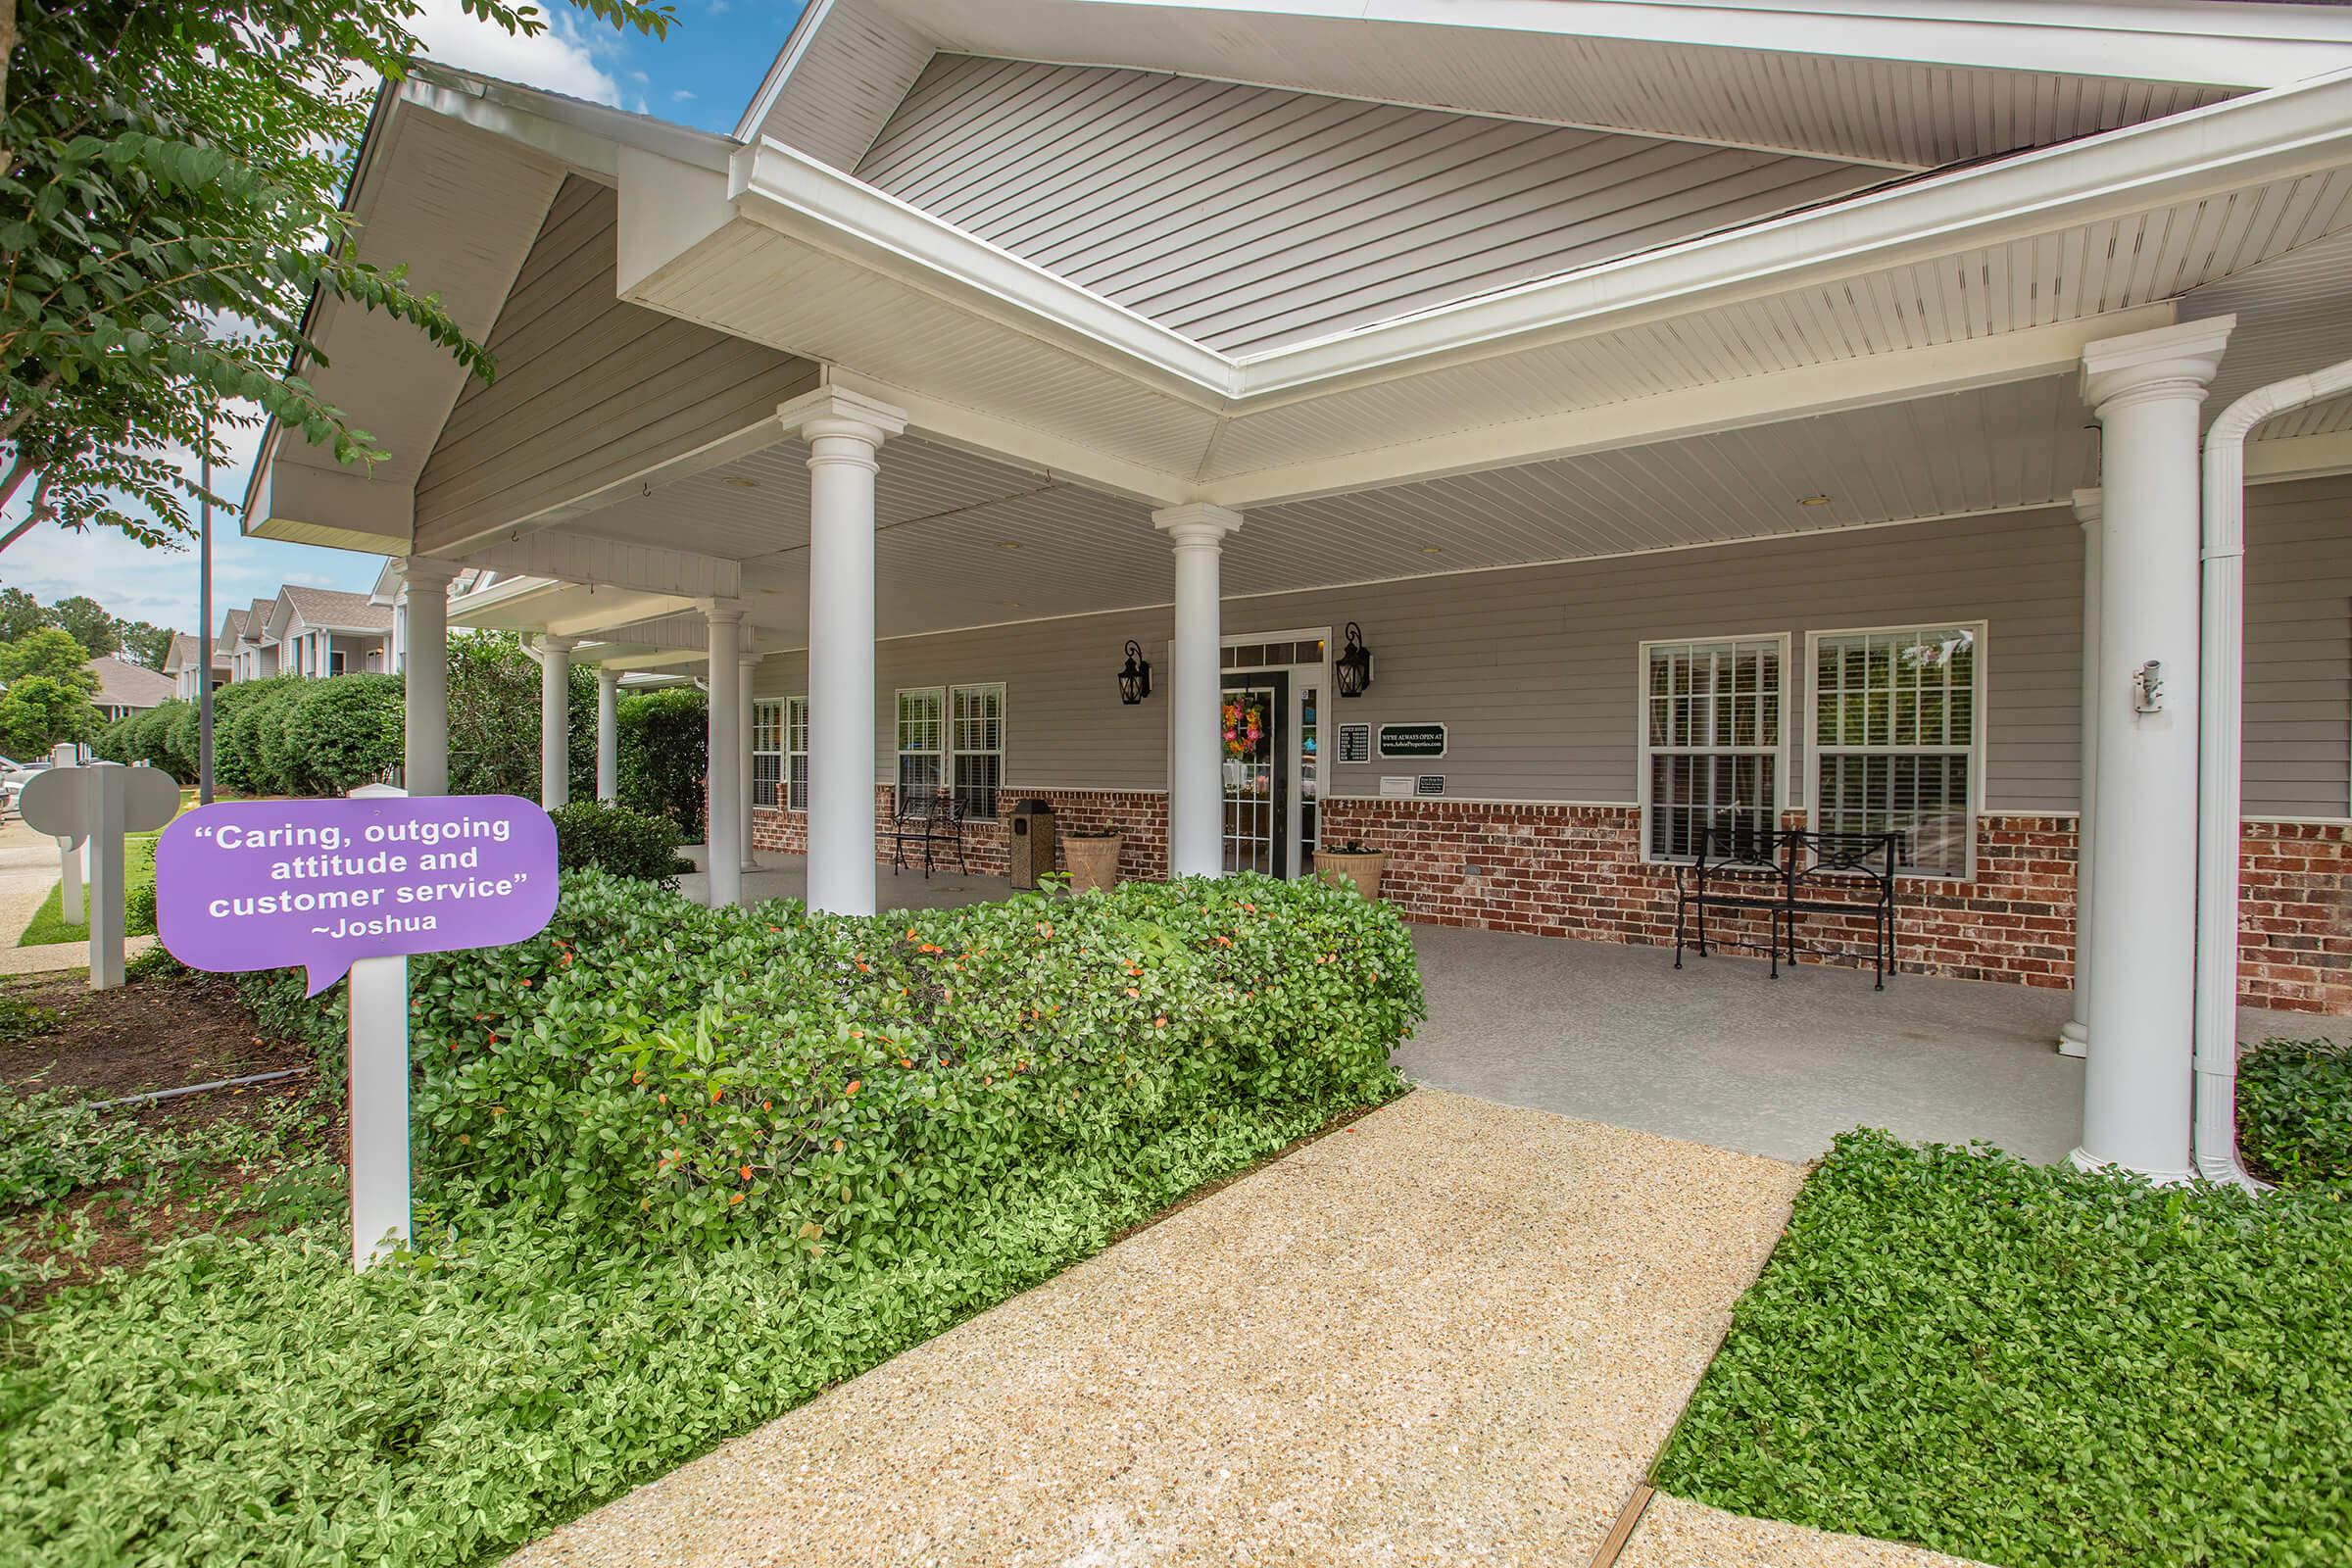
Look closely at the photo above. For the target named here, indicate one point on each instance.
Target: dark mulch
(151, 1034)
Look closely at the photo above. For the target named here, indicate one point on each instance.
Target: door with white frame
(1271, 724)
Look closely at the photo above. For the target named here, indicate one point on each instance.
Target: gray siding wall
(1247, 217)
(588, 390)
(1537, 670)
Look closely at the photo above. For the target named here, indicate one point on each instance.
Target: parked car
(13, 780)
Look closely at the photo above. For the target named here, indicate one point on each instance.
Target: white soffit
(1900, 85)
(2294, 316)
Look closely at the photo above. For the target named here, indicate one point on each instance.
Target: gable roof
(121, 684)
(333, 610)
(232, 631)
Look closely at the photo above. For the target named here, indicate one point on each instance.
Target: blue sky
(703, 75)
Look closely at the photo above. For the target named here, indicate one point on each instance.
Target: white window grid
(922, 739)
(1901, 709)
(976, 740)
(767, 752)
(1713, 722)
(795, 754)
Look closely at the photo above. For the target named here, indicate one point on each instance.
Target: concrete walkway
(1453, 1333)
(28, 871)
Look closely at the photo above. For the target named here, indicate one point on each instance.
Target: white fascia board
(612, 563)
(342, 508)
(2298, 457)
(1003, 440)
(581, 134)
(779, 70)
(2238, 45)
(793, 193)
(1831, 387)
(2263, 136)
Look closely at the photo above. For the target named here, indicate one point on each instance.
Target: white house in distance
(184, 664)
(389, 597)
(1705, 418)
(306, 632)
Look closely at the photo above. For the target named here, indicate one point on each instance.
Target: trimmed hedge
(2037, 1366)
(594, 836)
(664, 738)
(680, 1169)
(2294, 1111)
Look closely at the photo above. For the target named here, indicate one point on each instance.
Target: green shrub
(2037, 1366)
(665, 739)
(345, 731)
(241, 711)
(593, 836)
(494, 718)
(2294, 1111)
(680, 1170)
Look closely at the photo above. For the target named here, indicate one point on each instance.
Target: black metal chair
(931, 820)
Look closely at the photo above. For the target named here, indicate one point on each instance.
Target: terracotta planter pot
(1094, 862)
(1362, 872)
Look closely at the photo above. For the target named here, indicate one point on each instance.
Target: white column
(2146, 388)
(425, 619)
(608, 735)
(744, 724)
(843, 431)
(1195, 676)
(2074, 1038)
(723, 817)
(555, 719)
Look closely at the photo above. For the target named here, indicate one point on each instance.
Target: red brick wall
(1577, 871)
(1140, 816)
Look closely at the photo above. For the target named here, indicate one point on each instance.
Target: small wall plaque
(1430, 784)
(1412, 740)
(1356, 743)
(1396, 787)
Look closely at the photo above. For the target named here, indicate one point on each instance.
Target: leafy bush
(2028, 1366)
(494, 718)
(680, 1170)
(240, 712)
(665, 741)
(593, 836)
(345, 731)
(2294, 1111)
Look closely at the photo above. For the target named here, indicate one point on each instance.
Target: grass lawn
(2033, 1366)
(49, 923)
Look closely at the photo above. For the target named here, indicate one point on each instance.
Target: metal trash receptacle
(1030, 845)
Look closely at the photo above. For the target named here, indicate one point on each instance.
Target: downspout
(2220, 759)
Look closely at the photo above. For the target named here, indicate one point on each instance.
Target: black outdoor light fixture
(1135, 681)
(1355, 663)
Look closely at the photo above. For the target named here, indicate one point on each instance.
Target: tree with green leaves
(21, 614)
(171, 185)
(48, 654)
(89, 624)
(145, 643)
(40, 711)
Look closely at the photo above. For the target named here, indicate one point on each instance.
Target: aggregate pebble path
(1454, 1332)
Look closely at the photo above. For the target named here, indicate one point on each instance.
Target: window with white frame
(795, 755)
(767, 752)
(1897, 731)
(922, 741)
(1712, 739)
(977, 740)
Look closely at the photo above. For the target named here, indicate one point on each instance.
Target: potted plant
(1354, 862)
(1093, 857)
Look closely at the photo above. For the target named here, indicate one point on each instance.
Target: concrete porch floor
(1717, 1053)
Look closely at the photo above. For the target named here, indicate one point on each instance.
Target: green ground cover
(48, 923)
(2035, 1366)
(680, 1170)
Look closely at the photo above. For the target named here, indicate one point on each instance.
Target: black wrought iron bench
(932, 820)
(1848, 876)
(1788, 875)
(1738, 866)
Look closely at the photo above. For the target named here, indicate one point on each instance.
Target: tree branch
(38, 511)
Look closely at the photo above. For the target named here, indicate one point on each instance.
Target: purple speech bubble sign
(321, 884)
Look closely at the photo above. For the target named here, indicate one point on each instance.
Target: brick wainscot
(1577, 871)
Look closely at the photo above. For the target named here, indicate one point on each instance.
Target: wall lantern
(1135, 681)
(1356, 664)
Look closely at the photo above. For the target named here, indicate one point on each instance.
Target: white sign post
(377, 1047)
(99, 805)
(69, 850)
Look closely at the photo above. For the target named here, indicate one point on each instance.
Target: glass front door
(1257, 776)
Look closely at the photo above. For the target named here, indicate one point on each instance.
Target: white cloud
(558, 58)
(681, 95)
